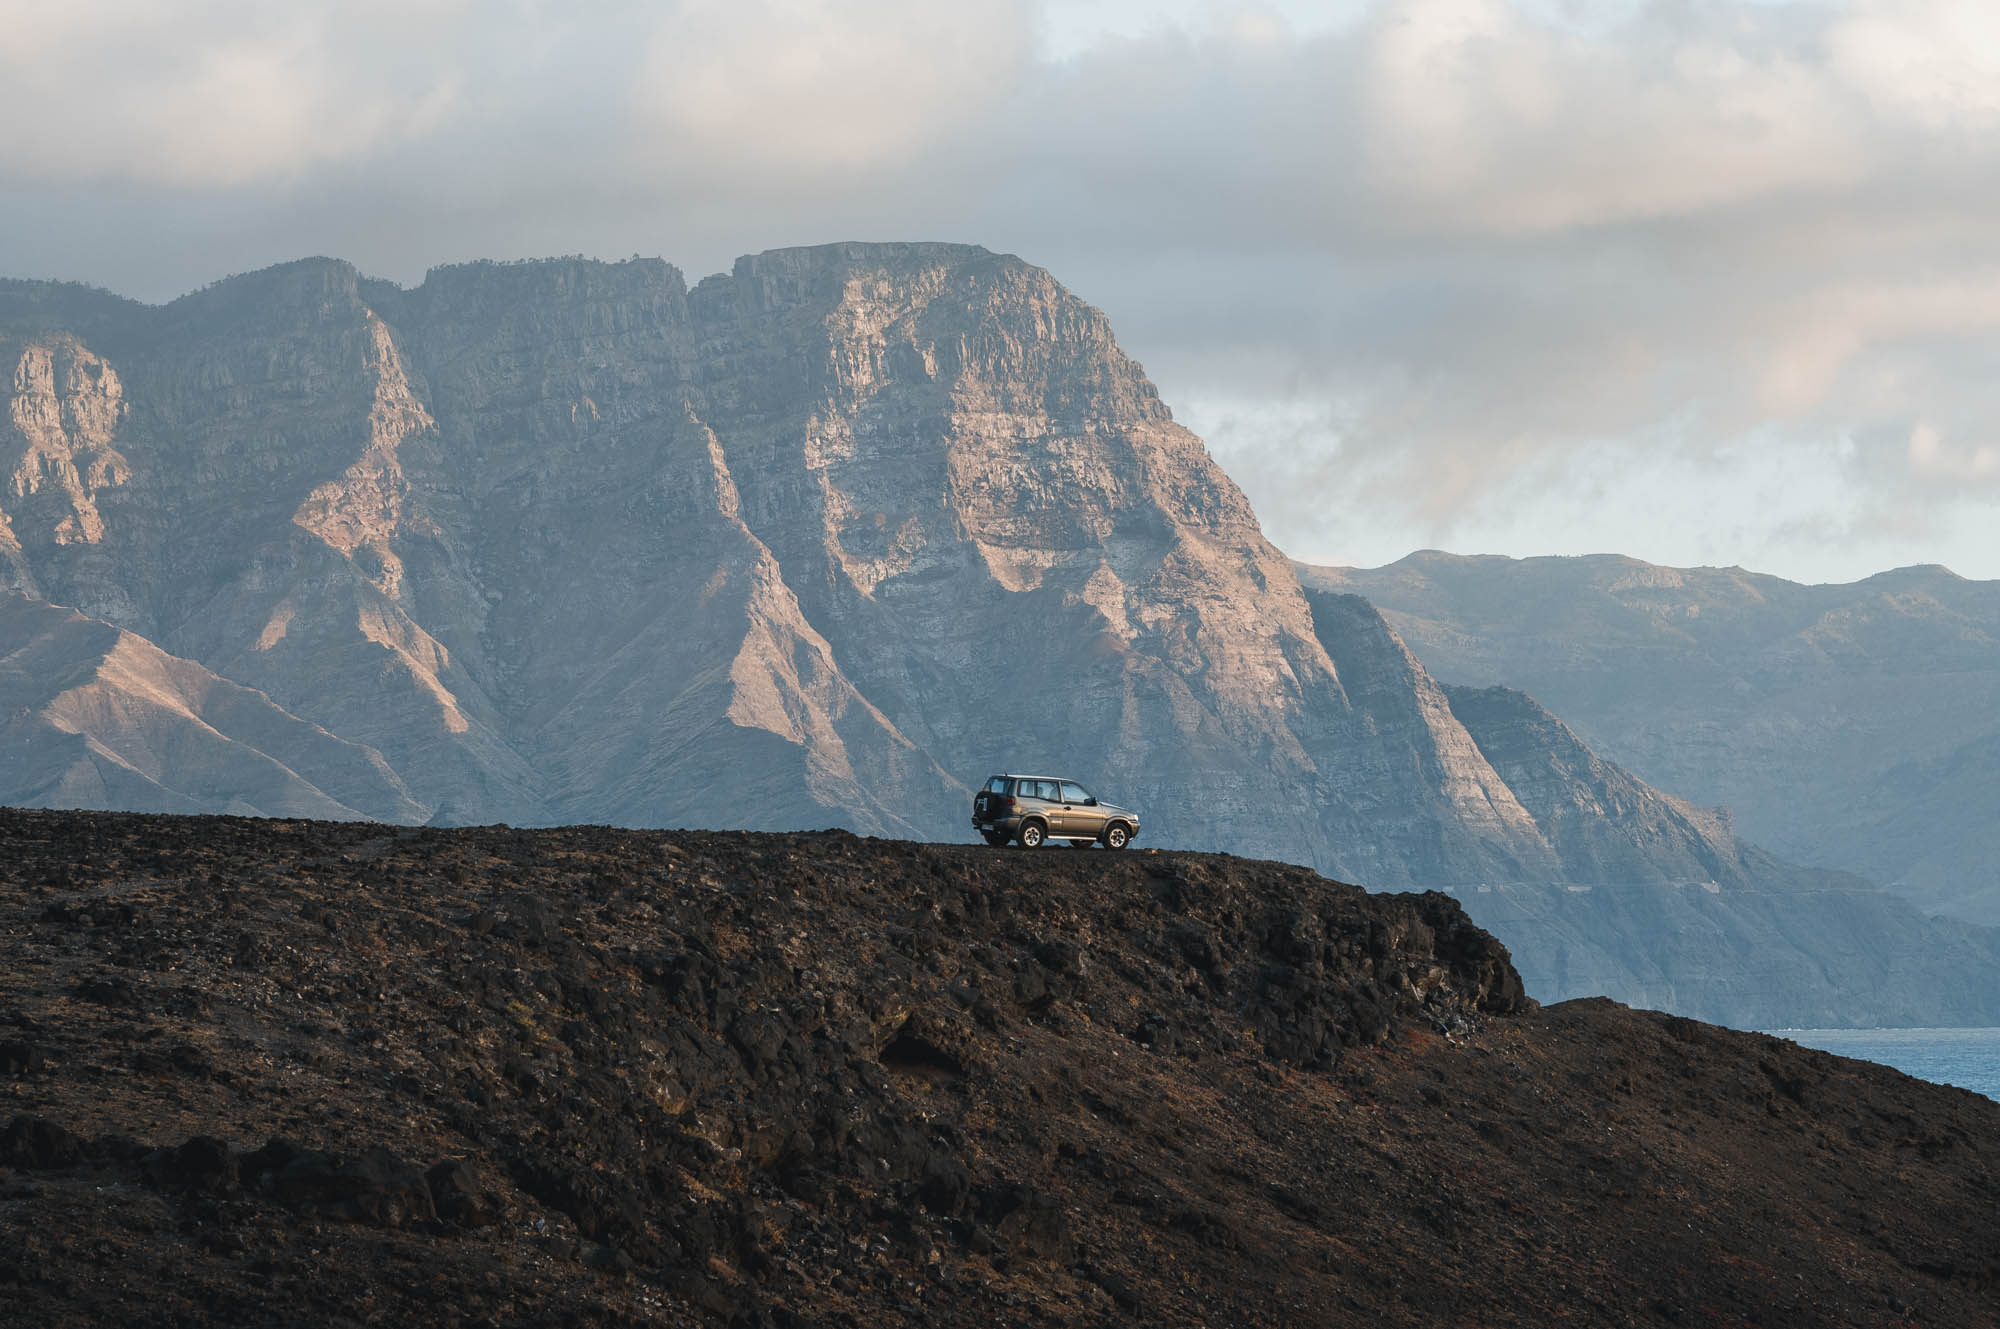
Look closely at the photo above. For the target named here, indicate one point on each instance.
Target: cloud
(1417, 263)
(815, 88)
(211, 93)
(1478, 117)
(1933, 61)
(1495, 254)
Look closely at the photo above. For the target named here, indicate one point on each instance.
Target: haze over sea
(1968, 1058)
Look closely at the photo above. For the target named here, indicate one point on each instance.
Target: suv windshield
(997, 785)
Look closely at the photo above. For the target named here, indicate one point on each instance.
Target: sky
(1701, 281)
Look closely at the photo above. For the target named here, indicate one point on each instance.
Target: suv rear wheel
(1116, 836)
(1032, 835)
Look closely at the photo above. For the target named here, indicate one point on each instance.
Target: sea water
(1968, 1058)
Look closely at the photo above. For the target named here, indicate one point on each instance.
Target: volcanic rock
(759, 1098)
(202, 1163)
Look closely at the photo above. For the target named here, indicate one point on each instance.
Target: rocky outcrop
(1406, 751)
(263, 1072)
(1604, 825)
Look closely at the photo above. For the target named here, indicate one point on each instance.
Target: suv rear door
(1038, 797)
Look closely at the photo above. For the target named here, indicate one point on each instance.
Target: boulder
(375, 1188)
(463, 1195)
(38, 1143)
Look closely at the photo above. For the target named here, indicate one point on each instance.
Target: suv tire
(994, 838)
(1033, 834)
(1116, 836)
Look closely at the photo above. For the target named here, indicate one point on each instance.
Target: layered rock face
(822, 540)
(102, 717)
(1601, 883)
(1851, 726)
(1663, 904)
(825, 540)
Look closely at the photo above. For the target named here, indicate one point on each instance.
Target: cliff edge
(325, 1073)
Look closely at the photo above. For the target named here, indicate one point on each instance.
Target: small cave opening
(909, 1053)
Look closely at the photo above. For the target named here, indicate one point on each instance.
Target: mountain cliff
(1608, 885)
(1849, 726)
(1666, 906)
(821, 540)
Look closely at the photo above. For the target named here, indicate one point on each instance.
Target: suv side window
(1073, 793)
(1045, 790)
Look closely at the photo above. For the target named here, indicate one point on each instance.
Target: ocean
(1968, 1058)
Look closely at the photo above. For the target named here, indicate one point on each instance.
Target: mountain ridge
(822, 539)
(1847, 724)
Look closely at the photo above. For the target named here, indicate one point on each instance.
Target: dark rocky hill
(319, 1073)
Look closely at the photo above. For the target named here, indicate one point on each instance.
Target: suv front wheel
(1116, 836)
(1032, 835)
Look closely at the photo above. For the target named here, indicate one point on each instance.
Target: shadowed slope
(587, 1076)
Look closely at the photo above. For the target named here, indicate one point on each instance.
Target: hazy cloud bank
(1703, 280)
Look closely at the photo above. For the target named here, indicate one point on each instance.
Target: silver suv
(1034, 809)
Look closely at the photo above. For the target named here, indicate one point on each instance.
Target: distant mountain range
(1850, 726)
(825, 540)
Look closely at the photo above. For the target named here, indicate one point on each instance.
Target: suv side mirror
(1091, 801)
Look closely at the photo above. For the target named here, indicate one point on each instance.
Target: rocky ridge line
(253, 1071)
